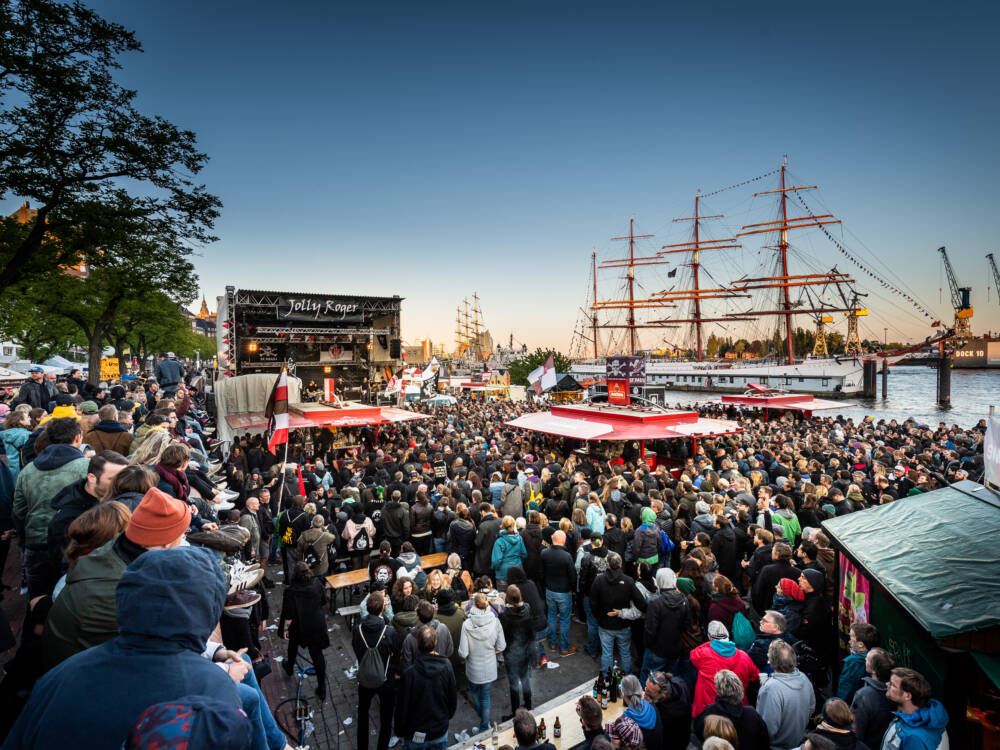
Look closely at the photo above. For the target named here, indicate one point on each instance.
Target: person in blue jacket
(508, 551)
(920, 720)
(863, 638)
(169, 602)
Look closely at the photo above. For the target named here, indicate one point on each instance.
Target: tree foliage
(74, 144)
(520, 368)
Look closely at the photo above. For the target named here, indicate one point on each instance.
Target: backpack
(361, 542)
(809, 663)
(372, 669)
(743, 634)
(589, 574)
(310, 558)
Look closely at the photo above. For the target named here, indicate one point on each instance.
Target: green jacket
(84, 614)
(39, 482)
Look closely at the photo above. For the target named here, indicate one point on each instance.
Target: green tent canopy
(935, 553)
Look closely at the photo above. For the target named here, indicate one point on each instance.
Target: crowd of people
(705, 591)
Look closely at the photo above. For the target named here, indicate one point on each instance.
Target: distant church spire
(203, 313)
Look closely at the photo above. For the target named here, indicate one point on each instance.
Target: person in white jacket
(482, 639)
(786, 700)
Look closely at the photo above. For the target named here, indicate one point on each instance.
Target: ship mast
(695, 250)
(786, 281)
(593, 319)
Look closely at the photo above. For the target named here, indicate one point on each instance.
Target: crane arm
(956, 296)
(996, 273)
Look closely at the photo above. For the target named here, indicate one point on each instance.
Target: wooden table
(345, 581)
(563, 707)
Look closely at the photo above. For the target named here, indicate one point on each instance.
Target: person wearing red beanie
(159, 521)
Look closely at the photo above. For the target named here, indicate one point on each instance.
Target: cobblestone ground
(335, 721)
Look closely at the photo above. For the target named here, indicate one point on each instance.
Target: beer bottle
(541, 730)
(496, 737)
(557, 729)
(597, 688)
(604, 697)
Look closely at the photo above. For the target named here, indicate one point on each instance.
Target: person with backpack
(376, 646)
(593, 564)
(359, 533)
(289, 524)
(313, 547)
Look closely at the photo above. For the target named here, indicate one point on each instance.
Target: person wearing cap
(167, 605)
(84, 614)
(816, 624)
(169, 373)
(718, 654)
(33, 392)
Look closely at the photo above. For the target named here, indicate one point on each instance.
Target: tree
(131, 260)
(712, 347)
(520, 368)
(836, 342)
(73, 141)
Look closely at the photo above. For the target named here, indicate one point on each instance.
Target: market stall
(771, 403)
(924, 571)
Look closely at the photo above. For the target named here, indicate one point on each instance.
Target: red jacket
(708, 661)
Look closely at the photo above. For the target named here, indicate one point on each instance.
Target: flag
(277, 412)
(429, 386)
(671, 274)
(549, 374)
(302, 484)
(388, 373)
(935, 324)
(535, 379)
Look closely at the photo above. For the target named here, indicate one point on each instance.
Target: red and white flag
(277, 412)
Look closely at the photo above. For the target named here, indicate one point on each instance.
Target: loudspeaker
(394, 349)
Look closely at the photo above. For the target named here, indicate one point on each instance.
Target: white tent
(62, 363)
(10, 377)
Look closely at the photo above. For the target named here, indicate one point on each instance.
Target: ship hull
(978, 354)
(827, 378)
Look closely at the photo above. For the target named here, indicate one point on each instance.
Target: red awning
(789, 401)
(599, 422)
(255, 420)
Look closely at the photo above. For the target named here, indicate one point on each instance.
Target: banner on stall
(110, 370)
(854, 599)
(991, 451)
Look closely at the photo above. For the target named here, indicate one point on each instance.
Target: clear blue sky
(435, 149)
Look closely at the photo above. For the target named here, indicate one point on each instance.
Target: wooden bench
(347, 580)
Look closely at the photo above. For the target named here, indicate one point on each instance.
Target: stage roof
(351, 414)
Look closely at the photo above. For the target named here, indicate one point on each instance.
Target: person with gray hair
(667, 618)
(642, 712)
(729, 702)
(611, 592)
(773, 626)
(786, 699)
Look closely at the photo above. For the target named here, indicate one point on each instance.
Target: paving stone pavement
(332, 733)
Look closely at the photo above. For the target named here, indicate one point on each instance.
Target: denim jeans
(266, 735)
(480, 694)
(519, 680)
(593, 638)
(653, 663)
(441, 743)
(621, 638)
(560, 606)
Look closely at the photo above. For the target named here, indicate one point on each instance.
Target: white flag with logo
(991, 451)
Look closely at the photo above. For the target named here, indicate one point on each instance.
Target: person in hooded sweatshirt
(374, 632)
(641, 711)
(726, 602)
(482, 638)
(873, 711)
(168, 603)
(109, 434)
(427, 697)
(59, 465)
(786, 700)
(718, 654)
(667, 618)
(519, 653)
(703, 521)
(426, 616)
(518, 576)
(303, 618)
(195, 720)
(920, 721)
(451, 616)
(508, 550)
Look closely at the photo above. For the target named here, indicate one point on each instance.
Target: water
(913, 393)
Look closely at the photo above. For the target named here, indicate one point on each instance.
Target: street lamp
(885, 338)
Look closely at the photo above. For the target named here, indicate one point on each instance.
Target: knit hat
(648, 516)
(626, 731)
(816, 579)
(195, 719)
(701, 507)
(159, 519)
(717, 631)
(791, 589)
(88, 407)
(666, 579)
(685, 586)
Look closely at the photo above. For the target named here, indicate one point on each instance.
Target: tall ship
(755, 284)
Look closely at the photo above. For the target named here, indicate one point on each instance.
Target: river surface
(912, 393)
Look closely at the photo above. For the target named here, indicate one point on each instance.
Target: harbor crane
(960, 301)
(996, 274)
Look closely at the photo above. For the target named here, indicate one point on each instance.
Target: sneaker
(241, 600)
(222, 484)
(242, 577)
(225, 495)
(223, 506)
(568, 652)
(543, 661)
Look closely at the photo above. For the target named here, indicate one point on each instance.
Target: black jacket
(395, 521)
(675, 715)
(726, 553)
(750, 728)
(667, 617)
(531, 595)
(427, 698)
(615, 540)
(558, 570)
(532, 536)
(302, 603)
(519, 635)
(371, 628)
(763, 587)
(34, 394)
(69, 505)
(487, 534)
(613, 590)
(873, 712)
